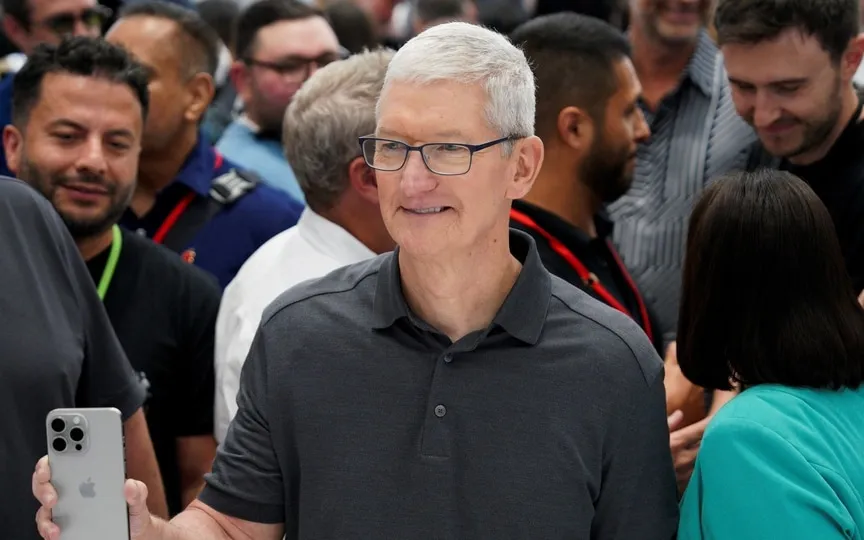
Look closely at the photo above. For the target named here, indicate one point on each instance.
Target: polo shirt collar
(197, 171)
(522, 315)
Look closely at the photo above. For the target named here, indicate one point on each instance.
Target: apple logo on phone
(87, 489)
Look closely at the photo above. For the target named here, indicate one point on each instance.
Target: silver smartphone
(88, 470)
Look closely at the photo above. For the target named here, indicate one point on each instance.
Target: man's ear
(13, 146)
(852, 58)
(529, 158)
(238, 73)
(201, 89)
(575, 128)
(363, 181)
(16, 33)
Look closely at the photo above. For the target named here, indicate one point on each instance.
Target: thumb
(139, 515)
(674, 420)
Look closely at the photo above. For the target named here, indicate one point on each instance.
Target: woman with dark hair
(767, 307)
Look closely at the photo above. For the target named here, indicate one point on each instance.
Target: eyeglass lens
(441, 158)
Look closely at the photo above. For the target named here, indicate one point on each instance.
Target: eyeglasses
(296, 67)
(64, 23)
(445, 159)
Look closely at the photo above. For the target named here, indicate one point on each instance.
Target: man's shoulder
(348, 287)
(606, 330)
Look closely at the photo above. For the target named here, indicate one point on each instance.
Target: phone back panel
(88, 470)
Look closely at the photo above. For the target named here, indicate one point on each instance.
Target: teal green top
(780, 463)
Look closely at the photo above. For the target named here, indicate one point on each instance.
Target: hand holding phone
(87, 473)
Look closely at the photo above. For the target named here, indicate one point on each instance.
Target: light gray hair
(326, 117)
(467, 53)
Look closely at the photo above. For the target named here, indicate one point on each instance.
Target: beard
(815, 130)
(118, 194)
(605, 170)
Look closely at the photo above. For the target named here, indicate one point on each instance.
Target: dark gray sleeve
(638, 494)
(247, 482)
(107, 379)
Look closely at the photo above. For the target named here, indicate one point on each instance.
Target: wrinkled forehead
(44, 9)
(426, 110)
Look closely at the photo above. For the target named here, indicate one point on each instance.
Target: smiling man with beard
(78, 118)
(791, 64)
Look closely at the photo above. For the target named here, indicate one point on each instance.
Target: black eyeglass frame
(472, 149)
(303, 66)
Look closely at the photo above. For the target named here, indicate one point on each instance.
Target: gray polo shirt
(358, 420)
(57, 346)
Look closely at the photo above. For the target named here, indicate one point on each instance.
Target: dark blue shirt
(224, 243)
(5, 118)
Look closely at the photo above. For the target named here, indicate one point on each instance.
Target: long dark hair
(766, 297)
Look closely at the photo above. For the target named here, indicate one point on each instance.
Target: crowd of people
(439, 268)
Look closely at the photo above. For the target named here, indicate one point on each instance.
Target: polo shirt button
(440, 411)
(141, 232)
(448, 358)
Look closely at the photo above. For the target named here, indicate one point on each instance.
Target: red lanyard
(181, 206)
(589, 278)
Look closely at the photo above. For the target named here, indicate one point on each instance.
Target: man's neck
(158, 170)
(849, 104)
(94, 245)
(460, 293)
(659, 65)
(562, 194)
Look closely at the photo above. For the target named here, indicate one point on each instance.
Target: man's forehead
(41, 9)
(62, 92)
(309, 37)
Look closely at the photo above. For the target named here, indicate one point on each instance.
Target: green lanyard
(111, 265)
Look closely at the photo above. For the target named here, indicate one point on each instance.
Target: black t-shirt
(838, 179)
(57, 349)
(595, 253)
(164, 313)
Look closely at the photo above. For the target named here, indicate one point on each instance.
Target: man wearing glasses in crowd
(27, 23)
(278, 45)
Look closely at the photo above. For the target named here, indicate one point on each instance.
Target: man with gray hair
(451, 388)
(341, 224)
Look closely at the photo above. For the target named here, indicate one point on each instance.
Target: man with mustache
(791, 64)
(76, 137)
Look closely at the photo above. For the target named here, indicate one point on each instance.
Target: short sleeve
(196, 390)
(247, 481)
(107, 378)
(751, 484)
(638, 495)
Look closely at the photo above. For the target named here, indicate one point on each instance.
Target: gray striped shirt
(696, 135)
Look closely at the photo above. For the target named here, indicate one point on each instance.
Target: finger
(674, 420)
(46, 495)
(47, 529)
(41, 474)
(136, 494)
(861, 298)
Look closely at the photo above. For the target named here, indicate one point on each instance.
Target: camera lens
(76, 434)
(58, 425)
(59, 444)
